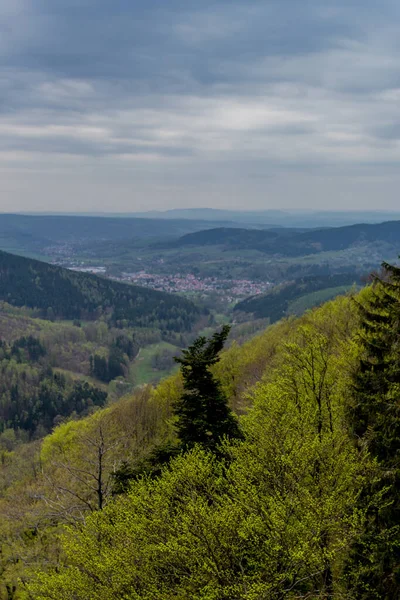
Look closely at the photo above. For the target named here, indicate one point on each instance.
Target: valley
(199, 300)
(161, 282)
(93, 409)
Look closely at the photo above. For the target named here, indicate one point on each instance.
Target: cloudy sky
(126, 105)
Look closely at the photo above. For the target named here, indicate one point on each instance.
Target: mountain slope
(296, 296)
(132, 427)
(61, 293)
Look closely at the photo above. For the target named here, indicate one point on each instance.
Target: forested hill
(227, 236)
(294, 297)
(64, 294)
(292, 242)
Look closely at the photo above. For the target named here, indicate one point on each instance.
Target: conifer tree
(204, 416)
(374, 566)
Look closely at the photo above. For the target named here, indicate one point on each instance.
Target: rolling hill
(39, 236)
(292, 242)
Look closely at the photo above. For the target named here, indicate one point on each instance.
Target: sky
(127, 105)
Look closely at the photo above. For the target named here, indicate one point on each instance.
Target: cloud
(176, 103)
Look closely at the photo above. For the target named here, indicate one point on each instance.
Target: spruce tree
(374, 565)
(204, 416)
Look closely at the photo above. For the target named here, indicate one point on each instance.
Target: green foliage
(33, 397)
(32, 347)
(203, 415)
(274, 521)
(273, 516)
(374, 566)
(303, 303)
(121, 351)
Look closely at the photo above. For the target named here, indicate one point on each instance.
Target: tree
(203, 415)
(374, 566)
(78, 460)
(100, 368)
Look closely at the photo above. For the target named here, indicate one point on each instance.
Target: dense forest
(292, 492)
(64, 294)
(34, 397)
(43, 361)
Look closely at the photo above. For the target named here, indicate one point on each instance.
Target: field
(142, 371)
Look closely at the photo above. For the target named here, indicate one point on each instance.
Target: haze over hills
(229, 262)
(273, 217)
(37, 234)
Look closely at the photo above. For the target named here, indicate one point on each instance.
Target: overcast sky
(126, 105)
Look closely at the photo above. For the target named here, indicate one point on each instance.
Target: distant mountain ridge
(65, 294)
(291, 242)
(275, 217)
(34, 234)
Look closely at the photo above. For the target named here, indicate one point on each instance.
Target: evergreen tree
(100, 368)
(203, 414)
(374, 566)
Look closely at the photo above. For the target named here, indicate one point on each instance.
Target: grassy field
(82, 378)
(142, 371)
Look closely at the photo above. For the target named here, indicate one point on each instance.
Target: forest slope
(129, 430)
(66, 294)
(286, 510)
(296, 296)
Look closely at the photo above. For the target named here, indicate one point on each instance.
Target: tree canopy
(305, 505)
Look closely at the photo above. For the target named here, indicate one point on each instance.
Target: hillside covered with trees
(293, 242)
(294, 496)
(63, 294)
(294, 297)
